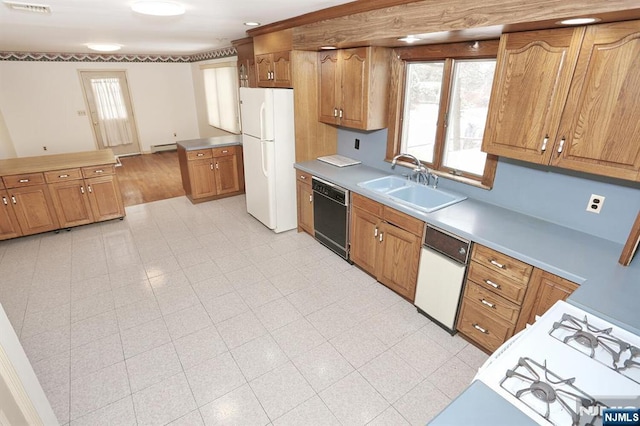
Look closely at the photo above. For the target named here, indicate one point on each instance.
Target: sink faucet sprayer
(420, 172)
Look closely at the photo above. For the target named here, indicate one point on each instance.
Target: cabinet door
(397, 260)
(353, 87)
(226, 171)
(364, 239)
(34, 209)
(264, 69)
(282, 69)
(9, 227)
(551, 288)
(305, 207)
(600, 124)
(105, 197)
(329, 86)
(202, 178)
(533, 74)
(71, 202)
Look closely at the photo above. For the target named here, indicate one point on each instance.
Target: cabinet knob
(480, 329)
(335, 112)
(217, 168)
(561, 145)
(340, 112)
(4, 200)
(82, 189)
(310, 198)
(462, 250)
(303, 177)
(13, 200)
(375, 232)
(544, 143)
(499, 265)
(211, 166)
(381, 234)
(89, 188)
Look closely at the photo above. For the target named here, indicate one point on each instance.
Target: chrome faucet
(421, 173)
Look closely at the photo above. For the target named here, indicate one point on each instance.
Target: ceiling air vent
(28, 7)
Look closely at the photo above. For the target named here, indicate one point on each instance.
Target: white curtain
(221, 93)
(112, 112)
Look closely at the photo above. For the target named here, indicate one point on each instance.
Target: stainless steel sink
(412, 194)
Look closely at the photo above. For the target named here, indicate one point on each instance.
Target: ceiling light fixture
(579, 21)
(252, 24)
(158, 8)
(409, 39)
(104, 47)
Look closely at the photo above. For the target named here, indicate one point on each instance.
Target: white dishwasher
(443, 263)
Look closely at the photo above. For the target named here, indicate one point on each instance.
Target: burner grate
(556, 399)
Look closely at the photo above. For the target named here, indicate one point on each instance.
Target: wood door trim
(632, 243)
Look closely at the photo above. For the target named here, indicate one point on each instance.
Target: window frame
(449, 53)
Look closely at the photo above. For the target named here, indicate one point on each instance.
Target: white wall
(40, 102)
(6, 145)
(206, 130)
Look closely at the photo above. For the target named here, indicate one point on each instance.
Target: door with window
(110, 111)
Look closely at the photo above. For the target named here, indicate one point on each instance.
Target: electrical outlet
(357, 145)
(175, 135)
(595, 203)
(44, 148)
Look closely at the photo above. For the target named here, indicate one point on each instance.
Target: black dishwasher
(331, 216)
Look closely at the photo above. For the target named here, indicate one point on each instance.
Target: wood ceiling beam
(392, 19)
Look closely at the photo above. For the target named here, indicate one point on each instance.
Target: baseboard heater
(164, 147)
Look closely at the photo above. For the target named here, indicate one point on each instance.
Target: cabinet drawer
(404, 221)
(489, 332)
(17, 181)
(201, 153)
(366, 204)
(303, 177)
(502, 264)
(491, 303)
(105, 169)
(225, 150)
(498, 284)
(63, 175)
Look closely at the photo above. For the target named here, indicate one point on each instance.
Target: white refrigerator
(268, 144)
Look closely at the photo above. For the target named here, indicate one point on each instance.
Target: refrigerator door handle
(263, 110)
(264, 168)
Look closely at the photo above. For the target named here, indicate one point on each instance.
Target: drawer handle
(335, 112)
(217, 168)
(375, 233)
(303, 177)
(340, 112)
(544, 143)
(480, 329)
(4, 200)
(561, 145)
(499, 265)
(23, 180)
(311, 198)
(13, 199)
(63, 176)
(225, 151)
(200, 154)
(492, 284)
(381, 234)
(98, 171)
(82, 189)
(489, 304)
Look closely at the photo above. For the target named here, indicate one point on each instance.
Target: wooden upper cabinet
(274, 69)
(601, 121)
(353, 86)
(329, 91)
(246, 62)
(532, 79)
(568, 97)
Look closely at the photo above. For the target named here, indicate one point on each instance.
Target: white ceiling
(207, 25)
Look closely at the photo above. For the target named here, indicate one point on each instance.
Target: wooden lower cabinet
(34, 209)
(384, 249)
(71, 202)
(304, 195)
(545, 289)
(105, 198)
(9, 226)
(211, 173)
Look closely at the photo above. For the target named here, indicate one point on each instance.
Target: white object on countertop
(268, 143)
(339, 160)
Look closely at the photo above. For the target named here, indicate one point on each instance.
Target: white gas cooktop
(566, 368)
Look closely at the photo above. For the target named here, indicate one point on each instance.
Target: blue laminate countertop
(215, 142)
(478, 405)
(606, 288)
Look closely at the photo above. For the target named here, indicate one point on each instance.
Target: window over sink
(442, 102)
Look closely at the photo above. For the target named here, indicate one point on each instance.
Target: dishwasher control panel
(450, 245)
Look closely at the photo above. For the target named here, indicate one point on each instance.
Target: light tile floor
(197, 314)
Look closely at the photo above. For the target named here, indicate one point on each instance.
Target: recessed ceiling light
(158, 8)
(328, 48)
(104, 47)
(579, 21)
(252, 24)
(409, 39)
